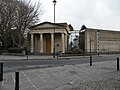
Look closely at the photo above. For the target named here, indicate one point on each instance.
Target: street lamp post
(90, 52)
(54, 2)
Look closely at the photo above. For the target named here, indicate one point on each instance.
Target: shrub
(15, 50)
(77, 50)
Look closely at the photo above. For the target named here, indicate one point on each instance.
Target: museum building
(46, 36)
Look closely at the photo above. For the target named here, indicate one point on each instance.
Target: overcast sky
(101, 14)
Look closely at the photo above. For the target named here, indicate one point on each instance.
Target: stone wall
(102, 40)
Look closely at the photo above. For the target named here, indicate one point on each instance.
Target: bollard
(90, 60)
(117, 63)
(16, 80)
(27, 54)
(57, 54)
(1, 71)
(98, 54)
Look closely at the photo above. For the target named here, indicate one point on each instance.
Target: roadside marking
(39, 76)
(30, 81)
(13, 78)
(77, 77)
(5, 81)
(78, 69)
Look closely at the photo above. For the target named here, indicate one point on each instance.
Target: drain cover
(73, 72)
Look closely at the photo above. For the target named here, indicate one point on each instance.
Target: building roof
(84, 29)
(102, 30)
(63, 25)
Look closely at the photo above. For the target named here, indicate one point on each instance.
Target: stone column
(32, 43)
(63, 43)
(41, 42)
(52, 42)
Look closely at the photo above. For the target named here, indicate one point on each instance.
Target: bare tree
(16, 17)
(7, 12)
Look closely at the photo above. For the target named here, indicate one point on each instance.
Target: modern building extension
(99, 41)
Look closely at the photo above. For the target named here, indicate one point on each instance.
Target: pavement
(99, 76)
(44, 57)
(10, 57)
(34, 57)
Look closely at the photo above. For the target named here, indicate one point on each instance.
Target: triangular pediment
(46, 25)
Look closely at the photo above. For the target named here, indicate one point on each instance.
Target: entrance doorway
(48, 45)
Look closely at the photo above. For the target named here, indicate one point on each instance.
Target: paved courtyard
(100, 76)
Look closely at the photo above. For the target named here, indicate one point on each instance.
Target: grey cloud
(93, 13)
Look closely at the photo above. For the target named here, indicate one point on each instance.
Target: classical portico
(42, 37)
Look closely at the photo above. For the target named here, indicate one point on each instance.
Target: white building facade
(42, 36)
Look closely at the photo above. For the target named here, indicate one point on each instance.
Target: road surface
(56, 62)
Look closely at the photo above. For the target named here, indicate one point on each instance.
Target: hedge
(15, 50)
